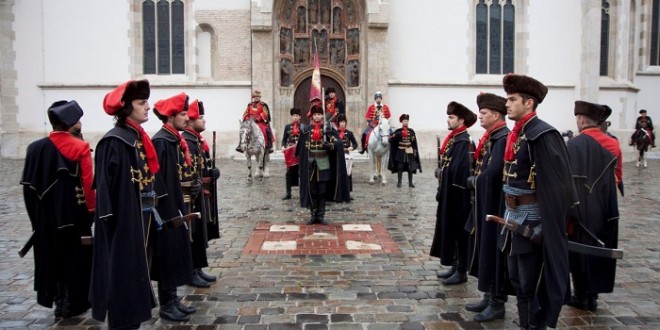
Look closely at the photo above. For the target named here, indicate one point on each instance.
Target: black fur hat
(461, 111)
(492, 102)
(514, 83)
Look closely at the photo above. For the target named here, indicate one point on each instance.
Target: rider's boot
(362, 145)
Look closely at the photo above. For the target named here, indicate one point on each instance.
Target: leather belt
(512, 201)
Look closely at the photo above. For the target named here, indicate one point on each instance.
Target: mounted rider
(644, 122)
(260, 113)
(372, 116)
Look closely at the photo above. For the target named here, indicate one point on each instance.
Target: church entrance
(301, 96)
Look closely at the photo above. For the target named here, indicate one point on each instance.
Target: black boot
(398, 176)
(320, 212)
(479, 306)
(410, 182)
(447, 273)
(312, 211)
(494, 311)
(197, 281)
(288, 192)
(172, 313)
(592, 302)
(459, 277)
(185, 309)
(523, 313)
(207, 277)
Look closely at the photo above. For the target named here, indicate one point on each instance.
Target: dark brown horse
(641, 139)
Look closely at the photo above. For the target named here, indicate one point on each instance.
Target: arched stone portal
(283, 37)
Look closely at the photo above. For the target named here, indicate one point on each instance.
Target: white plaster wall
(88, 38)
(428, 41)
(222, 5)
(553, 44)
(29, 65)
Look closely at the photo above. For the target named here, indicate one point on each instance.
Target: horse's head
(245, 134)
(384, 128)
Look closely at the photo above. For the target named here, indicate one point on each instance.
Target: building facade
(420, 54)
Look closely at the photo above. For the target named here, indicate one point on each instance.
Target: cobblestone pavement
(344, 291)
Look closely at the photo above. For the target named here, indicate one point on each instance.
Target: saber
(576, 247)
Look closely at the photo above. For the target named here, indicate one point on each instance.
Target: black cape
(202, 203)
(292, 175)
(593, 173)
(555, 193)
(121, 286)
(58, 220)
(454, 205)
(397, 155)
(486, 261)
(172, 266)
(337, 189)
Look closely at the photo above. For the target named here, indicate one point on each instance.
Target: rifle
(214, 188)
(589, 250)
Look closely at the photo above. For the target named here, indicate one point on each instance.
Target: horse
(641, 139)
(379, 149)
(252, 143)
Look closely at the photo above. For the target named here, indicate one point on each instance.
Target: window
(604, 37)
(162, 30)
(495, 29)
(655, 34)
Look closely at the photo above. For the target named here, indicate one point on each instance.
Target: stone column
(589, 81)
(9, 128)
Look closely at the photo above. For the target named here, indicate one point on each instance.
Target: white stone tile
(284, 228)
(278, 245)
(321, 235)
(357, 245)
(354, 227)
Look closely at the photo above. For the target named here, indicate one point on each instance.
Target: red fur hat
(195, 109)
(171, 106)
(125, 93)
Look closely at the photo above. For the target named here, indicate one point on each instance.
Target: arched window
(495, 39)
(604, 37)
(655, 33)
(163, 37)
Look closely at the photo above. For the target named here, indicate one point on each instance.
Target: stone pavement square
(366, 291)
(332, 238)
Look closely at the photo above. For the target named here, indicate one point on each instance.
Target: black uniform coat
(487, 262)
(120, 284)
(201, 204)
(287, 140)
(58, 219)
(397, 155)
(593, 173)
(337, 189)
(172, 266)
(454, 204)
(555, 194)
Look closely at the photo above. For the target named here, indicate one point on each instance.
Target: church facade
(420, 54)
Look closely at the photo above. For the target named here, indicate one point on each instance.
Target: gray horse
(252, 144)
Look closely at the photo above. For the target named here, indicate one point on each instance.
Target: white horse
(252, 144)
(379, 149)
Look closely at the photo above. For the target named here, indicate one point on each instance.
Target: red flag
(315, 90)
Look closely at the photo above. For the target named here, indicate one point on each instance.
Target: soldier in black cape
(202, 231)
(322, 167)
(290, 138)
(450, 241)
(57, 189)
(538, 194)
(486, 261)
(595, 158)
(404, 154)
(350, 143)
(173, 262)
(125, 221)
